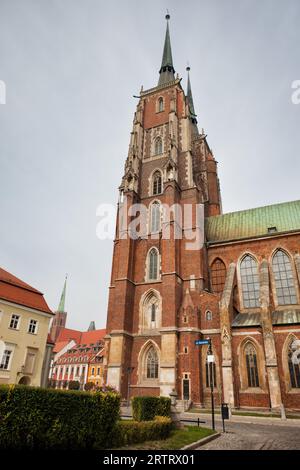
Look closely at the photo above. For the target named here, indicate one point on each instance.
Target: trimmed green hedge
(146, 408)
(133, 432)
(36, 418)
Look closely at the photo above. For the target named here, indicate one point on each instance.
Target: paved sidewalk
(243, 436)
(243, 419)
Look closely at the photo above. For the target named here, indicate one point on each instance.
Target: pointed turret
(61, 307)
(190, 98)
(92, 326)
(166, 70)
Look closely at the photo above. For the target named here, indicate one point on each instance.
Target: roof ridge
(255, 208)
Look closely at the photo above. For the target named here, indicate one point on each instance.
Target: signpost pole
(211, 386)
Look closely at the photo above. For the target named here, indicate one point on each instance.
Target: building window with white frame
(32, 327)
(14, 322)
(6, 358)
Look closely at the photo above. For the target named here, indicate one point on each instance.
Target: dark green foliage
(146, 408)
(89, 386)
(74, 385)
(133, 432)
(36, 418)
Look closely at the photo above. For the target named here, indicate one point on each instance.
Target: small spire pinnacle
(61, 307)
(190, 97)
(92, 326)
(166, 72)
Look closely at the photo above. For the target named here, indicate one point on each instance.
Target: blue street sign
(199, 342)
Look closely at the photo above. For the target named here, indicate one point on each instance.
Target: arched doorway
(24, 380)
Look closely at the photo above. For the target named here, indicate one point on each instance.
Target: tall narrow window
(6, 358)
(158, 148)
(157, 186)
(284, 279)
(250, 282)
(153, 312)
(294, 367)
(218, 276)
(153, 264)
(152, 364)
(155, 217)
(160, 106)
(251, 365)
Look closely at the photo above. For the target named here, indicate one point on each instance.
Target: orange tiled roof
(81, 337)
(14, 290)
(66, 334)
(59, 346)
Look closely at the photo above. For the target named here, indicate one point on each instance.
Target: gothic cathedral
(239, 286)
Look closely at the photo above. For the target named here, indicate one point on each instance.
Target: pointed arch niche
(251, 366)
(149, 364)
(150, 312)
(290, 367)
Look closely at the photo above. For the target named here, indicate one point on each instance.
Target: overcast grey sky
(71, 68)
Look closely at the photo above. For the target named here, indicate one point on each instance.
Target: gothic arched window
(294, 366)
(208, 315)
(157, 183)
(160, 105)
(218, 275)
(153, 264)
(152, 364)
(251, 365)
(284, 279)
(155, 217)
(158, 146)
(250, 282)
(153, 312)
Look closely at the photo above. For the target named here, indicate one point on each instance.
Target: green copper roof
(285, 317)
(166, 70)
(61, 307)
(262, 221)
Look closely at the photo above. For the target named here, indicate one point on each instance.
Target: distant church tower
(155, 282)
(59, 321)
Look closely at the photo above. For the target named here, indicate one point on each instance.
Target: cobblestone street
(244, 436)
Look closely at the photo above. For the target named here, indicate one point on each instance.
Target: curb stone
(201, 442)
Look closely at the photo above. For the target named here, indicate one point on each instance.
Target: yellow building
(24, 324)
(96, 369)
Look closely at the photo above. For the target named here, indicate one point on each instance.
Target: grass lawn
(178, 438)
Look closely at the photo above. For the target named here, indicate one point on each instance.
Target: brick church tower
(157, 281)
(59, 321)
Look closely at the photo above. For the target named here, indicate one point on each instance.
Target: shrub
(133, 432)
(145, 408)
(89, 386)
(74, 385)
(36, 418)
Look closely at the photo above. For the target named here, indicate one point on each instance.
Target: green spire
(190, 98)
(166, 72)
(61, 307)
